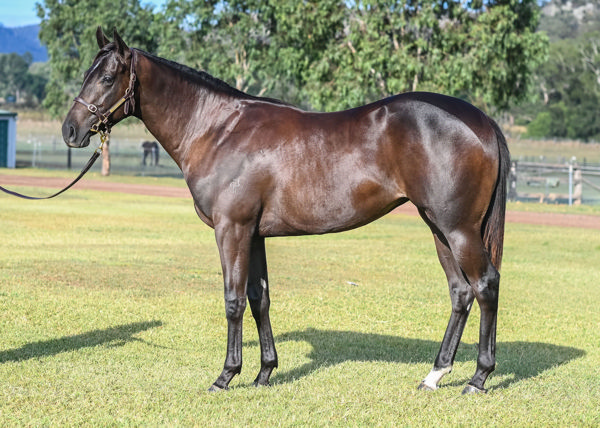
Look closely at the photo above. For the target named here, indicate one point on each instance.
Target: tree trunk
(106, 159)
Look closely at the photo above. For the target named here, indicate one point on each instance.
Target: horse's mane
(204, 79)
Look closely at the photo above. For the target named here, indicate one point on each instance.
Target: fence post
(577, 185)
(37, 153)
(512, 182)
(570, 184)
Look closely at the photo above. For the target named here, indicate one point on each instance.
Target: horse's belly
(317, 211)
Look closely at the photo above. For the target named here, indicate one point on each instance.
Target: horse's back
(335, 171)
(463, 111)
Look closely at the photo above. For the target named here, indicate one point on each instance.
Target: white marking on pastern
(435, 376)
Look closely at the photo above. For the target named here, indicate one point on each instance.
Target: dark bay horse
(258, 168)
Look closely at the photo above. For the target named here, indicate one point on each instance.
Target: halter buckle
(103, 139)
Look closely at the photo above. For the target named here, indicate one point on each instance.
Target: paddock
(106, 318)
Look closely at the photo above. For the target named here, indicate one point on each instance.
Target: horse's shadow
(112, 336)
(516, 360)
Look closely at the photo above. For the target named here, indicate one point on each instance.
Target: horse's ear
(122, 48)
(101, 38)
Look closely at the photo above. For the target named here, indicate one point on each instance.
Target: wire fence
(128, 157)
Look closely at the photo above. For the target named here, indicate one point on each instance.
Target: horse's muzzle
(73, 137)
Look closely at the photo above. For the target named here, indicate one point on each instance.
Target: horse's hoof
(258, 384)
(470, 389)
(424, 387)
(216, 388)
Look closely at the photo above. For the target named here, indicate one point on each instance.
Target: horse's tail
(493, 225)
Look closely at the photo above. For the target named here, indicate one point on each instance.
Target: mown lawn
(112, 314)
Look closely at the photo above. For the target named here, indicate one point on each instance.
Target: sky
(17, 13)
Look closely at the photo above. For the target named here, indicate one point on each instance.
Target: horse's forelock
(105, 51)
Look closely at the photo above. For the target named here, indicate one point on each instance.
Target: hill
(21, 40)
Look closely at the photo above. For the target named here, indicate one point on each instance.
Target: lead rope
(104, 137)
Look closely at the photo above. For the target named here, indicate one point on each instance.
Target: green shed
(8, 139)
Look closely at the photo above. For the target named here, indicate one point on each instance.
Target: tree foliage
(334, 54)
(325, 55)
(227, 38)
(569, 82)
(18, 81)
(68, 30)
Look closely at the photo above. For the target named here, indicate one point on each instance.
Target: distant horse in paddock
(150, 148)
(258, 168)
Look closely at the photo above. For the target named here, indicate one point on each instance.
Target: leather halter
(102, 127)
(128, 100)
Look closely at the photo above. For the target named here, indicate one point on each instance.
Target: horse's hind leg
(468, 249)
(461, 295)
(258, 296)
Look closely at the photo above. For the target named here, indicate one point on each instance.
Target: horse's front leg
(258, 296)
(233, 241)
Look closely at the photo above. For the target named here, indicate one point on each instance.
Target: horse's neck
(178, 112)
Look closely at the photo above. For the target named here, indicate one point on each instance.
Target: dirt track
(548, 219)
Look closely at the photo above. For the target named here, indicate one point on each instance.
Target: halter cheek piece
(128, 100)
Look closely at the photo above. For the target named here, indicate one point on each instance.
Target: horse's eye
(107, 79)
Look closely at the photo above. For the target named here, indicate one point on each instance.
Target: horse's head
(107, 94)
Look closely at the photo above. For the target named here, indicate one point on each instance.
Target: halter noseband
(128, 99)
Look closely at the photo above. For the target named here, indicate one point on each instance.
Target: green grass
(582, 209)
(112, 314)
(91, 175)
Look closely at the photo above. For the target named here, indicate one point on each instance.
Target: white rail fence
(562, 183)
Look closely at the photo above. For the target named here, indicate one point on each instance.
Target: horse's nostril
(69, 132)
(72, 133)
